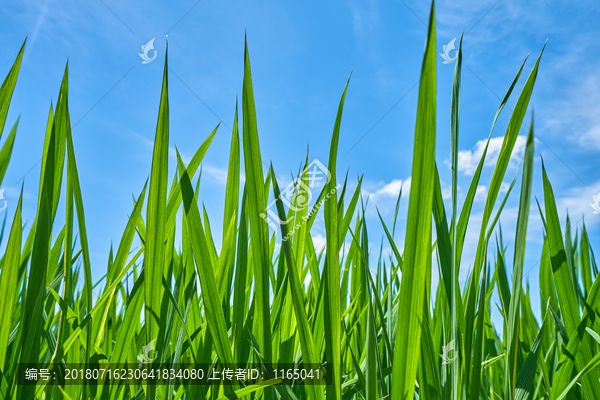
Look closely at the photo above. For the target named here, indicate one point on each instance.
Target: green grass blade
(476, 365)
(119, 264)
(309, 353)
(125, 340)
(565, 287)
(396, 211)
(371, 356)
(8, 87)
(591, 366)
(255, 185)
(232, 196)
(454, 289)
(32, 327)
(240, 393)
(175, 195)
(527, 374)
(417, 253)
(586, 266)
(564, 284)
(9, 281)
(239, 291)
(233, 175)
(6, 151)
(74, 189)
(210, 292)
(154, 249)
(512, 339)
(49, 125)
(508, 144)
(332, 279)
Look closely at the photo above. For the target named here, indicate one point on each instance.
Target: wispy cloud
(469, 159)
(577, 114)
(365, 19)
(577, 201)
(389, 190)
(43, 11)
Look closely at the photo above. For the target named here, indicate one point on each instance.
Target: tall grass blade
(454, 295)
(417, 253)
(332, 311)
(9, 281)
(8, 87)
(517, 275)
(309, 353)
(255, 184)
(565, 287)
(156, 220)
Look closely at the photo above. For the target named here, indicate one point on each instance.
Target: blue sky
(302, 54)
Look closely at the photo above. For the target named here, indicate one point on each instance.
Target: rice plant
(369, 323)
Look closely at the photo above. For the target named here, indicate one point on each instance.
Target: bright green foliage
(374, 319)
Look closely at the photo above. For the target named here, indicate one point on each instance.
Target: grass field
(269, 297)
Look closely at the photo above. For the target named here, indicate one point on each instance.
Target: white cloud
(447, 190)
(504, 186)
(447, 193)
(577, 203)
(320, 242)
(390, 190)
(578, 113)
(218, 174)
(307, 280)
(208, 170)
(365, 18)
(571, 99)
(15, 192)
(43, 11)
(469, 159)
(481, 193)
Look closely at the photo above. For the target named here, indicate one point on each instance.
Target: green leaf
(331, 280)
(565, 287)
(9, 281)
(309, 353)
(6, 151)
(454, 293)
(210, 292)
(506, 150)
(240, 393)
(32, 328)
(417, 253)
(8, 87)
(239, 291)
(512, 339)
(154, 249)
(527, 374)
(255, 184)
